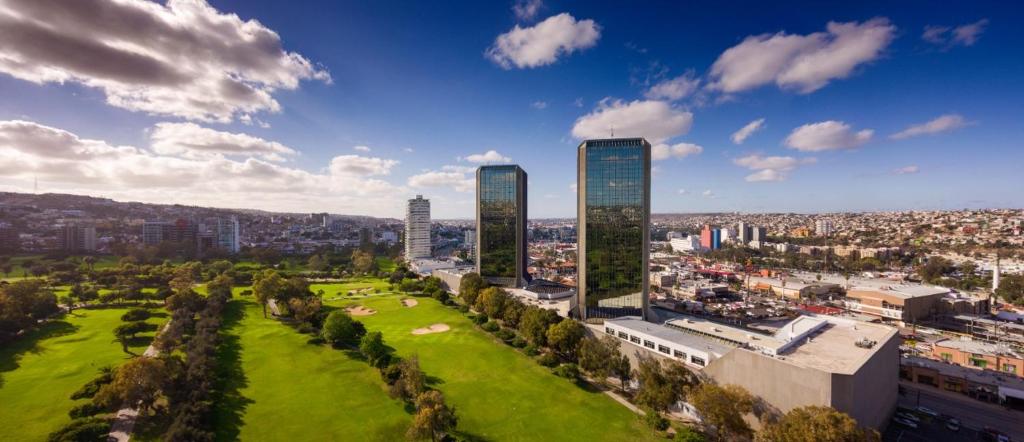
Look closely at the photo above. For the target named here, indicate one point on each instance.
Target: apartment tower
(417, 228)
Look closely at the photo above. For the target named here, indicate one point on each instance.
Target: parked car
(909, 417)
(953, 424)
(928, 411)
(905, 422)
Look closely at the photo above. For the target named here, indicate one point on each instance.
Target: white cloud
(361, 148)
(906, 170)
(526, 9)
(408, 150)
(745, 132)
(543, 43)
(683, 192)
(681, 150)
(944, 123)
(827, 135)
(361, 166)
(674, 88)
(573, 187)
(578, 102)
(708, 194)
(491, 156)
(656, 121)
(539, 104)
(193, 141)
(963, 35)
(805, 63)
(775, 168)
(65, 162)
(183, 58)
(460, 181)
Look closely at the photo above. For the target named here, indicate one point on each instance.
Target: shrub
(306, 328)
(82, 429)
(531, 350)
(655, 420)
(85, 410)
(391, 373)
(490, 327)
(135, 314)
(90, 388)
(464, 309)
(340, 328)
(518, 342)
(687, 434)
(570, 371)
(505, 334)
(548, 360)
(479, 319)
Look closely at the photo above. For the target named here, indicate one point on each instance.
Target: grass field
(284, 388)
(39, 371)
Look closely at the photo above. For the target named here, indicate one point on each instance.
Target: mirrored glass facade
(613, 216)
(501, 225)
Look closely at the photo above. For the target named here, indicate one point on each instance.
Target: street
(972, 414)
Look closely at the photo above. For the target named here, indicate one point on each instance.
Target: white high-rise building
(823, 227)
(744, 233)
(228, 234)
(759, 234)
(417, 228)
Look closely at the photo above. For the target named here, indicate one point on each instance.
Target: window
(696, 360)
(980, 363)
(609, 331)
(947, 357)
(634, 339)
(649, 344)
(1010, 368)
(664, 349)
(680, 355)
(623, 335)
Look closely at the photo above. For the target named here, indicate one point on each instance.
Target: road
(972, 413)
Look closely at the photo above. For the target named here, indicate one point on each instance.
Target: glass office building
(613, 216)
(501, 225)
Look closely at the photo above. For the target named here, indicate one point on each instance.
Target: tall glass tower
(613, 213)
(501, 225)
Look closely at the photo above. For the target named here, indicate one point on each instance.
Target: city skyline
(849, 107)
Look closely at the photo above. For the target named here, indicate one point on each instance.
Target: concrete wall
(870, 394)
(781, 384)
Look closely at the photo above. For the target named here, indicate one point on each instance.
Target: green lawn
(282, 388)
(499, 393)
(39, 371)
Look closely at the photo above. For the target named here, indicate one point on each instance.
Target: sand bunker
(409, 302)
(436, 328)
(358, 310)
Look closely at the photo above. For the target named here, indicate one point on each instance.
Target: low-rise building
(812, 360)
(984, 385)
(979, 355)
(903, 304)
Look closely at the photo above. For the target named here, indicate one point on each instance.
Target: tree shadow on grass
(11, 352)
(230, 404)
(469, 437)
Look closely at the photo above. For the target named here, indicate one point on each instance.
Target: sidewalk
(124, 423)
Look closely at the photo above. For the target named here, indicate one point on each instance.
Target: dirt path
(124, 423)
(273, 307)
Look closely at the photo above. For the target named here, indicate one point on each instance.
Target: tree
(266, 286)
(363, 262)
(1011, 289)
(655, 391)
(687, 434)
(411, 380)
(341, 329)
(139, 381)
(470, 286)
(534, 323)
(433, 419)
(373, 348)
(564, 337)
(220, 286)
(596, 357)
(815, 423)
(124, 333)
(491, 302)
(723, 407)
(317, 263)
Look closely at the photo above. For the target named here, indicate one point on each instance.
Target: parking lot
(973, 415)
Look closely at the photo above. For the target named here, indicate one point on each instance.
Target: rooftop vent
(865, 343)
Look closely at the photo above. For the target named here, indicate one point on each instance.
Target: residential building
(10, 242)
(823, 227)
(417, 228)
(744, 231)
(685, 244)
(75, 238)
(155, 232)
(613, 225)
(716, 239)
(707, 237)
(759, 234)
(228, 234)
(501, 225)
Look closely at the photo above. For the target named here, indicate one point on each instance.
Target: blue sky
(427, 89)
